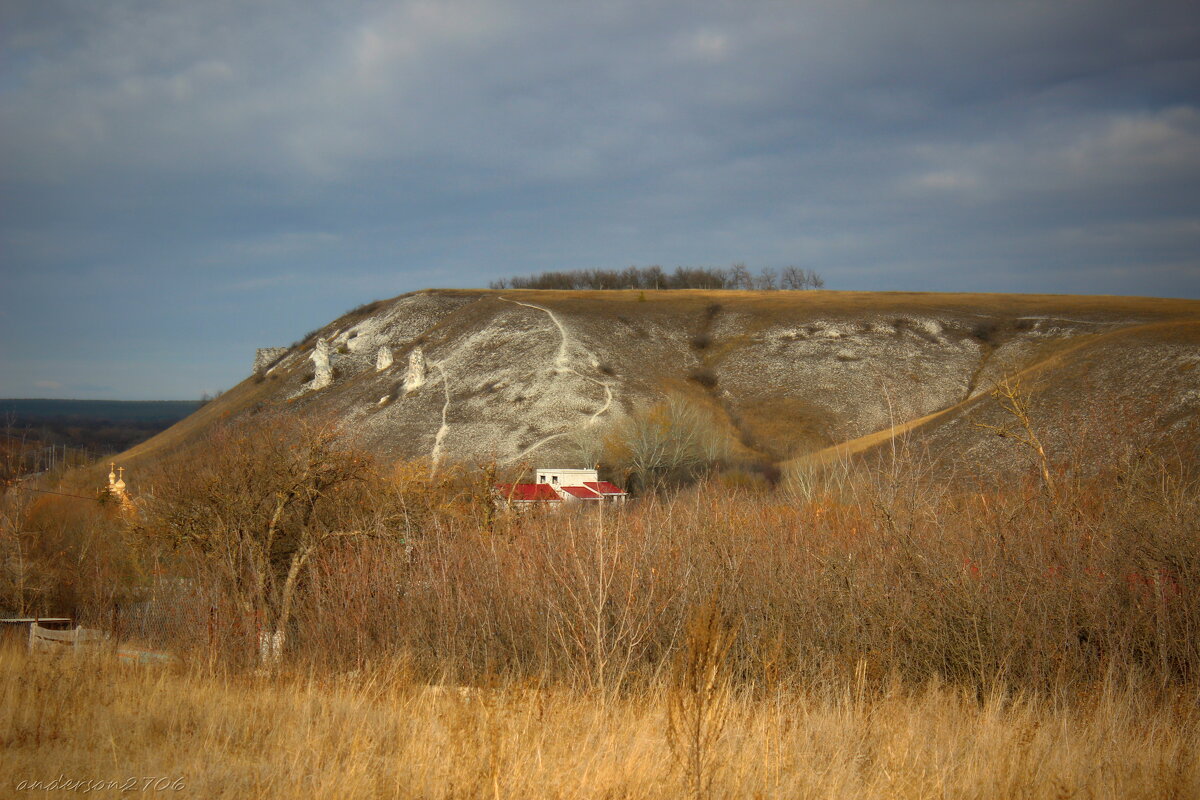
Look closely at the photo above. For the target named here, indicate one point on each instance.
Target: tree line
(737, 276)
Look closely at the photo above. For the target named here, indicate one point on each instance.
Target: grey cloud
(327, 154)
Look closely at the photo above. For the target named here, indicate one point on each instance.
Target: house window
(554, 479)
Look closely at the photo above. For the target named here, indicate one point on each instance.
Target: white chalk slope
(543, 377)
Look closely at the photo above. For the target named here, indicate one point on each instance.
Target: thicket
(886, 570)
(671, 444)
(65, 555)
(1006, 587)
(655, 277)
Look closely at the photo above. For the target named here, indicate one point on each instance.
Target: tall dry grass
(381, 733)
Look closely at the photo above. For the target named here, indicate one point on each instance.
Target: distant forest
(44, 434)
(738, 276)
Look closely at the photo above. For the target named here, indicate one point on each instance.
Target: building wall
(566, 477)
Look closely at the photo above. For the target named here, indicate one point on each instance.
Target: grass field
(379, 733)
(1113, 307)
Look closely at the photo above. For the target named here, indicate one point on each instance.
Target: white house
(559, 485)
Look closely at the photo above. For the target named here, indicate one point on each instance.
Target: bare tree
(653, 277)
(740, 277)
(1013, 399)
(259, 501)
(798, 279)
(673, 440)
(768, 279)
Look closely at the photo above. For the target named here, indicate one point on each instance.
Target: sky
(183, 182)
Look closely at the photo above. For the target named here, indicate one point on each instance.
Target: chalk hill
(792, 377)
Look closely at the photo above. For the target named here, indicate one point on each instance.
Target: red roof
(582, 492)
(603, 487)
(527, 491)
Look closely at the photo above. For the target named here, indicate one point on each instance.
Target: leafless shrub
(699, 696)
(985, 331)
(670, 443)
(1014, 400)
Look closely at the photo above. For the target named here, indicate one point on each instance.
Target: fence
(187, 618)
(80, 640)
(47, 640)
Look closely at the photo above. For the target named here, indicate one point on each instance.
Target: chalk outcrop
(414, 378)
(323, 375)
(383, 359)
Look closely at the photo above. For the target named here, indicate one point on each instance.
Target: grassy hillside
(524, 377)
(1137, 380)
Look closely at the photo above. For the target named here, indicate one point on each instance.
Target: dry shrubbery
(279, 529)
(978, 590)
(670, 444)
(861, 629)
(879, 569)
(58, 556)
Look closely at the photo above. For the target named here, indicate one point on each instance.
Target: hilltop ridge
(518, 376)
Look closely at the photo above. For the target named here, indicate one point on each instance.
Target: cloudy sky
(182, 182)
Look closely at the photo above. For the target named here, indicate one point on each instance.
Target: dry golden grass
(378, 733)
(861, 302)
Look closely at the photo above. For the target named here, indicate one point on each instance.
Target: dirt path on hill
(562, 363)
